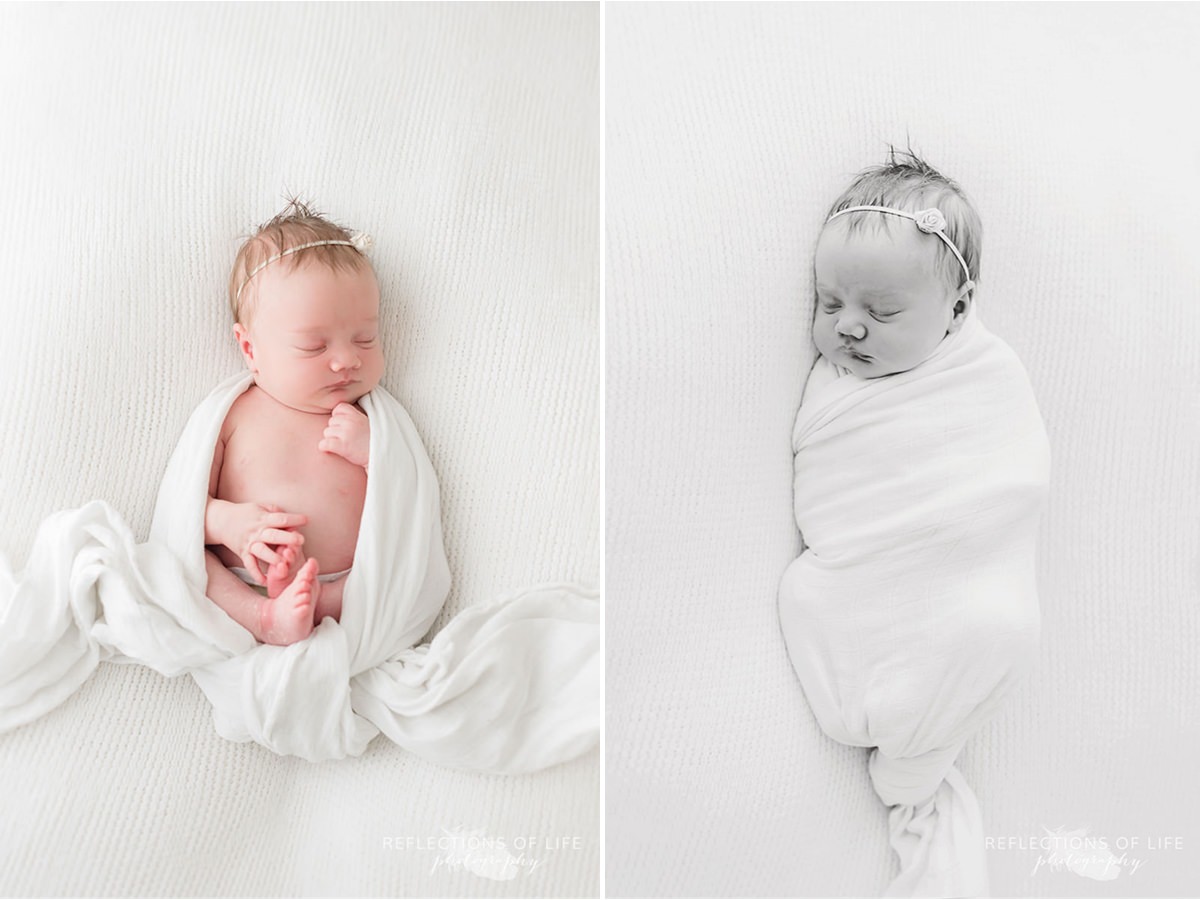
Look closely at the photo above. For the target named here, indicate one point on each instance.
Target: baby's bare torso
(271, 457)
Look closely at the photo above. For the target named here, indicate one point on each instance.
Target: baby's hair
(297, 224)
(909, 183)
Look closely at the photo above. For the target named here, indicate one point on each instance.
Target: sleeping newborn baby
(300, 491)
(289, 474)
(921, 465)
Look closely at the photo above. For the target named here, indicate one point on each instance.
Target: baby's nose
(347, 359)
(851, 328)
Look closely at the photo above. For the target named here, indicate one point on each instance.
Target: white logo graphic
(487, 857)
(1088, 857)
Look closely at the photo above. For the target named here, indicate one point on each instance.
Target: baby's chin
(866, 368)
(323, 402)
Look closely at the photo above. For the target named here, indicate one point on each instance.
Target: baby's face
(313, 340)
(882, 306)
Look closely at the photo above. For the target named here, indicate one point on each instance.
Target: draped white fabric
(913, 610)
(509, 686)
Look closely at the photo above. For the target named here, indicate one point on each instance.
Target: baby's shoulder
(246, 408)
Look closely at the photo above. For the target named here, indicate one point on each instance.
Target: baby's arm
(212, 530)
(251, 530)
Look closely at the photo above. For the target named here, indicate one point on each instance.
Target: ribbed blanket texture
(139, 143)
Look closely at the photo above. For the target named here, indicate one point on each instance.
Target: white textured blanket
(511, 686)
(913, 611)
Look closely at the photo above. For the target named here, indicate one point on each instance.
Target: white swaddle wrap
(913, 609)
(509, 686)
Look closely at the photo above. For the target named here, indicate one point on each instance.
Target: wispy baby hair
(298, 224)
(909, 183)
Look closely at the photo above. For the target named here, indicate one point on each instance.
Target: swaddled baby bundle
(509, 686)
(913, 609)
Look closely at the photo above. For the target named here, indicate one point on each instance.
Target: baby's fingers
(251, 565)
(281, 519)
(260, 550)
(277, 536)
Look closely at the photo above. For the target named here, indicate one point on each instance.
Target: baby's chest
(280, 456)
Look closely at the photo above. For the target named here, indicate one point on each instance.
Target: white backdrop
(137, 142)
(730, 129)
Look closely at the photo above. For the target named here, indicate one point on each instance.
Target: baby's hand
(254, 531)
(348, 434)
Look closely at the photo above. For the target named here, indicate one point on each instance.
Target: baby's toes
(278, 572)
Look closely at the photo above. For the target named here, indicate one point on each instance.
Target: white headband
(360, 241)
(930, 221)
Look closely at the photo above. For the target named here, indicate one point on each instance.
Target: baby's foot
(288, 618)
(280, 574)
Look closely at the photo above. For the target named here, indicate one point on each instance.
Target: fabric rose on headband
(930, 221)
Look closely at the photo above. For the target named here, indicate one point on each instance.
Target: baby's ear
(962, 305)
(242, 336)
(966, 294)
